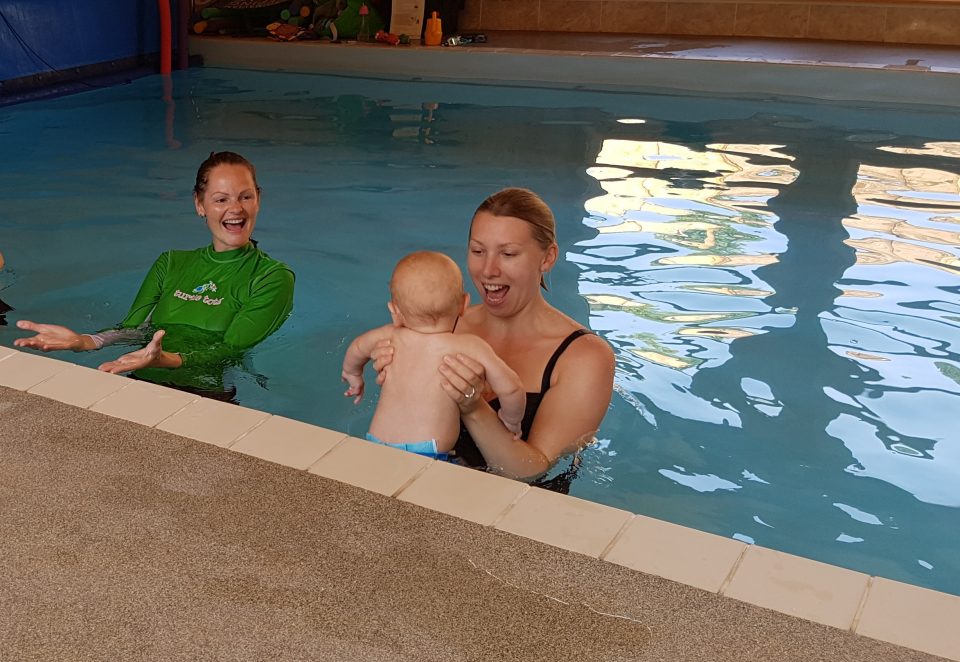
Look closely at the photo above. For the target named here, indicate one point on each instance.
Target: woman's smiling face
(230, 205)
(505, 262)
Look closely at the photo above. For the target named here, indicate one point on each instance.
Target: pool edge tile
(563, 521)
(79, 386)
(143, 403)
(212, 421)
(456, 491)
(911, 616)
(23, 371)
(295, 444)
(369, 466)
(678, 553)
(798, 586)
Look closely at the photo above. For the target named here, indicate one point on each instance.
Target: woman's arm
(502, 380)
(569, 414)
(151, 356)
(52, 337)
(573, 408)
(149, 293)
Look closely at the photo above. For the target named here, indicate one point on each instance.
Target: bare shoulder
(591, 345)
(588, 355)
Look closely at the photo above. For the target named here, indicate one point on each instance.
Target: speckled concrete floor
(120, 542)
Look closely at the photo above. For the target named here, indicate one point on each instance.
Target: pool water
(779, 279)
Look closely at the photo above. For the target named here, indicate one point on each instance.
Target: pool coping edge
(870, 606)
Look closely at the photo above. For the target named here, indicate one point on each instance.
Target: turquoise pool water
(780, 280)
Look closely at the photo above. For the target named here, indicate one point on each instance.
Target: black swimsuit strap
(548, 371)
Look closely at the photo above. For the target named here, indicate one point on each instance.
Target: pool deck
(139, 522)
(833, 71)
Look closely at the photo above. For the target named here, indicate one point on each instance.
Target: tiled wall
(913, 23)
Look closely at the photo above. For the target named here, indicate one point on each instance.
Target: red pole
(165, 37)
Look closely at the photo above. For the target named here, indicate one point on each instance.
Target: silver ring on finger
(473, 391)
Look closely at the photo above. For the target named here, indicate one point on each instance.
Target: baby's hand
(513, 426)
(355, 382)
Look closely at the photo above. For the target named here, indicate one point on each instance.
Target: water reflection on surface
(786, 313)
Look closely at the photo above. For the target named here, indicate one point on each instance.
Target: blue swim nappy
(426, 448)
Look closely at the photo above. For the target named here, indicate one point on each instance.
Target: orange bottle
(434, 33)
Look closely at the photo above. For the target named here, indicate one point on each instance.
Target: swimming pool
(779, 280)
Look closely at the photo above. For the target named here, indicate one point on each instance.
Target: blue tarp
(39, 36)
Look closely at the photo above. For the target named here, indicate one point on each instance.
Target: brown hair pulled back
(216, 159)
(527, 206)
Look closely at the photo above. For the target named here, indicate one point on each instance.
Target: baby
(414, 412)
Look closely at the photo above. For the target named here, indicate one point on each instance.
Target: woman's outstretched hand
(464, 381)
(142, 358)
(51, 338)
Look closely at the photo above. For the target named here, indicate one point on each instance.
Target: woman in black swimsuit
(567, 371)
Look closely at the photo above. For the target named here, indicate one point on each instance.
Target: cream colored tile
(771, 19)
(676, 552)
(370, 466)
(7, 352)
(22, 371)
(564, 521)
(633, 16)
(846, 22)
(701, 18)
(913, 617)
(570, 15)
(798, 586)
(288, 442)
(80, 386)
(212, 421)
(510, 14)
(923, 25)
(144, 403)
(465, 493)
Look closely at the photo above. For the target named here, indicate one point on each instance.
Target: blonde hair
(527, 206)
(427, 286)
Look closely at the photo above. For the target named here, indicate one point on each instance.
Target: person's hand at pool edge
(150, 356)
(53, 337)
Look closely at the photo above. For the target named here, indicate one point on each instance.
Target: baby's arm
(505, 383)
(358, 353)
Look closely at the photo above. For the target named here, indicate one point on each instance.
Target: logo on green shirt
(209, 285)
(198, 294)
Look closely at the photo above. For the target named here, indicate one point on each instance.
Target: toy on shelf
(388, 38)
(347, 21)
(234, 17)
(434, 32)
(298, 13)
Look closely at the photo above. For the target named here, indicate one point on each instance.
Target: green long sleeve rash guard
(213, 306)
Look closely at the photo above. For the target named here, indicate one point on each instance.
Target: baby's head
(426, 289)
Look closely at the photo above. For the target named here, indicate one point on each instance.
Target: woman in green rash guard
(205, 306)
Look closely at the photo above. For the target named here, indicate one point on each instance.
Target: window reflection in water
(801, 295)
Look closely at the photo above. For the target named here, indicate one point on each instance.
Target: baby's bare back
(413, 406)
